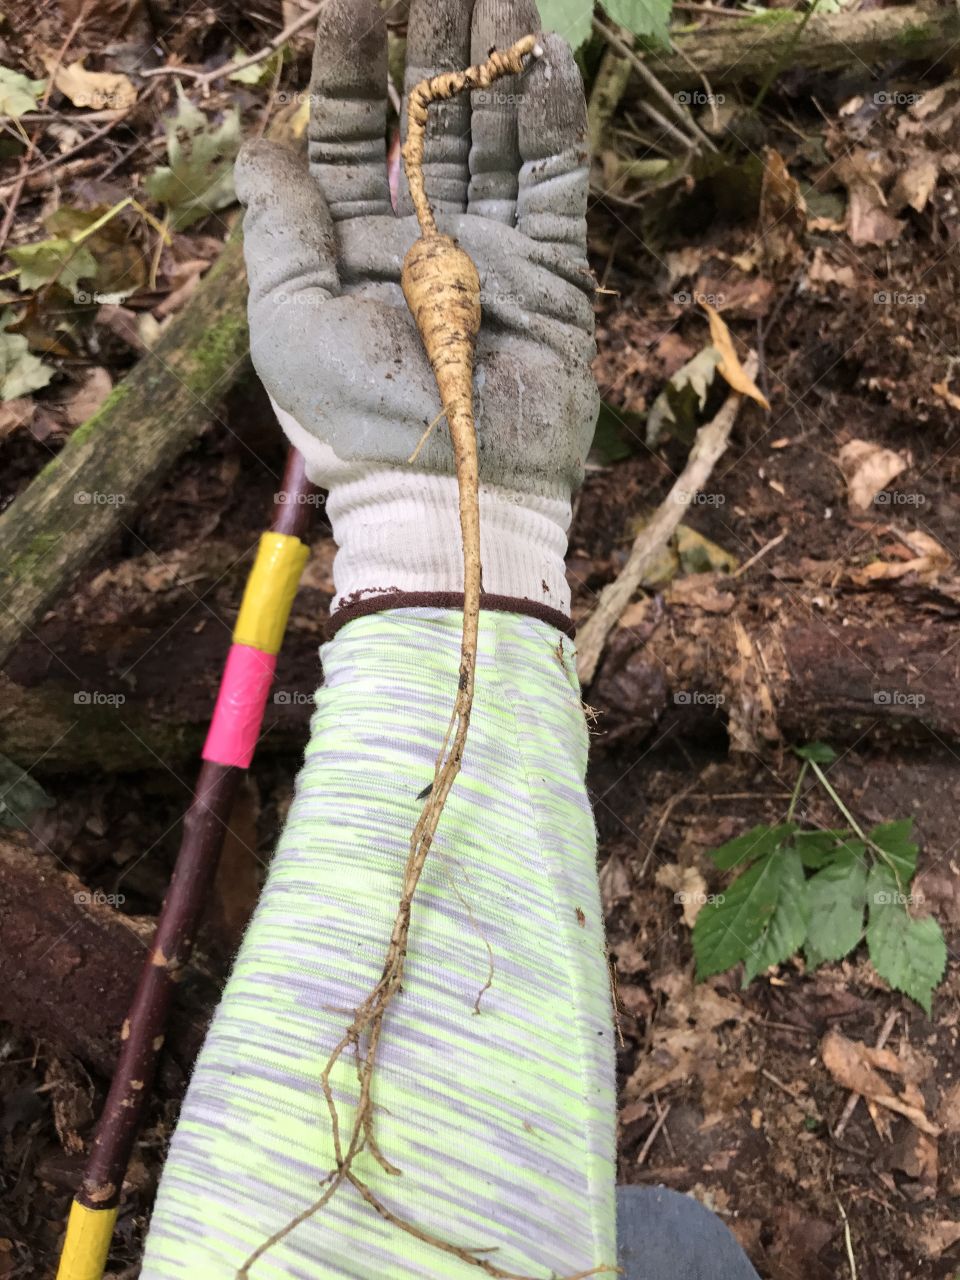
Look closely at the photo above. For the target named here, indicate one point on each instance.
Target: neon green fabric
(502, 1122)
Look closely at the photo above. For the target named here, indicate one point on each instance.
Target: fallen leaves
(729, 365)
(20, 370)
(18, 93)
(868, 220)
(97, 90)
(783, 213)
(868, 469)
(857, 1067)
(199, 177)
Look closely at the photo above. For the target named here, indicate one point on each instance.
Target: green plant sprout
(823, 891)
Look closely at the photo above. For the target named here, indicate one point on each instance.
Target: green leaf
(736, 926)
(837, 896)
(618, 435)
(786, 927)
(817, 848)
(20, 370)
(642, 17)
(678, 409)
(894, 839)
(17, 93)
(199, 178)
(819, 752)
(258, 72)
(909, 954)
(569, 18)
(754, 844)
(57, 259)
(19, 795)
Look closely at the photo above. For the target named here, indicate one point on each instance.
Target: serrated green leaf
(56, 259)
(909, 954)
(18, 94)
(786, 927)
(729, 929)
(199, 177)
(571, 19)
(817, 848)
(20, 370)
(837, 896)
(642, 17)
(819, 752)
(894, 839)
(19, 795)
(753, 844)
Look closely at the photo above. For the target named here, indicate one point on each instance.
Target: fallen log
(706, 661)
(70, 962)
(735, 51)
(111, 463)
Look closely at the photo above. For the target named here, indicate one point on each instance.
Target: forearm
(502, 1122)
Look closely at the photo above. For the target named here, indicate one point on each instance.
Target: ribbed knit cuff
(398, 534)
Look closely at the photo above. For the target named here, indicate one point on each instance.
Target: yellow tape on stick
(85, 1249)
(271, 588)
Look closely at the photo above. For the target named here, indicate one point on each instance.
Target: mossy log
(750, 49)
(111, 463)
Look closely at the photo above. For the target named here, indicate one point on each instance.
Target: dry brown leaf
(939, 1236)
(849, 1062)
(783, 212)
(868, 469)
(98, 90)
(730, 367)
(689, 889)
(916, 183)
(868, 221)
(945, 394)
(88, 397)
(14, 414)
(823, 272)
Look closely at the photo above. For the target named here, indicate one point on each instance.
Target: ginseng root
(442, 289)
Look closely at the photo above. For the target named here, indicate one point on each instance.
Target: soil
(724, 1091)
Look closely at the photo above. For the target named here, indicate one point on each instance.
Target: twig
(653, 84)
(758, 555)
(658, 1124)
(228, 69)
(854, 1098)
(708, 447)
(848, 1241)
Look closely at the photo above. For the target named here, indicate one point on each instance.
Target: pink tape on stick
(238, 715)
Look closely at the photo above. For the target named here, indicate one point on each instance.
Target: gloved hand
(334, 343)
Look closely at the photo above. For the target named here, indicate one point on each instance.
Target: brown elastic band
(445, 600)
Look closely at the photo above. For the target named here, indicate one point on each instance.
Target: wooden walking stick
(234, 730)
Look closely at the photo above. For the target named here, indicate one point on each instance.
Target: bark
(702, 662)
(730, 51)
(70, 962)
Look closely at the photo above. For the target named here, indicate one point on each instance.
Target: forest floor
(854, 310)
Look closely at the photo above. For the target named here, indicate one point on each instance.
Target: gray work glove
(331, 336)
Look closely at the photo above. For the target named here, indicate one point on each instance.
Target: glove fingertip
(553, 109)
